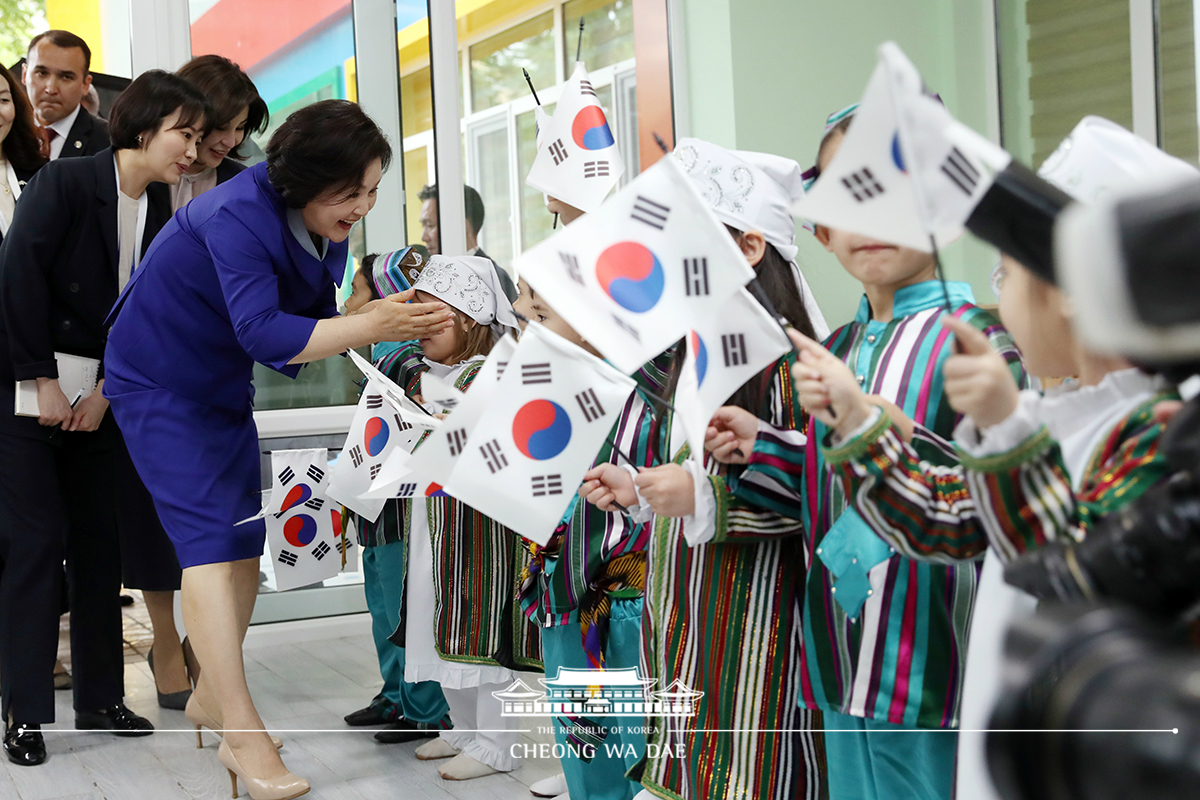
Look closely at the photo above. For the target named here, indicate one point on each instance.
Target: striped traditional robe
(722, 619)
(476, 561)
(898, 656)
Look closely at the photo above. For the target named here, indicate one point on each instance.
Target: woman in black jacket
(238, 112)
(78, 233)
(19, 142)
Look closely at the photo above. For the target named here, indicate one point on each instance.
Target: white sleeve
(641, 512)
(701, 526)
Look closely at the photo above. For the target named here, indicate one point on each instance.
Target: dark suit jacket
(88, 136)
(228, 168)
(58, 265)
(23, 177)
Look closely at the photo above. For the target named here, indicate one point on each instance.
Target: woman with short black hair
(238, 112)
(244, 273)
(78, 233)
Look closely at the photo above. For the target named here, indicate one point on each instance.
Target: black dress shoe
(118, 719)
(23, 744)
(375, 714)
(403, 730)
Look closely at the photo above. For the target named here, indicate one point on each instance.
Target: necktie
(48, 135)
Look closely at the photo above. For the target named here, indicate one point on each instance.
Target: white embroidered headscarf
(469, 284)
(752, 191)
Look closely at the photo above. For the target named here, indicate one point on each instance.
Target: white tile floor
(297, 686)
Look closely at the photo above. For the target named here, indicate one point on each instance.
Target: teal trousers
(870, 760)
(383, 580)
(602, 778)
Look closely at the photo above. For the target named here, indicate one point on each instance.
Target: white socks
(463, 768)
(436, 748)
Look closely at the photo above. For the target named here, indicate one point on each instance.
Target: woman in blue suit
(244, 273)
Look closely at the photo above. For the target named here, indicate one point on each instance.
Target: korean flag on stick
(549, 416)
(434, 460)
(304, 527)
(578, 160)
(378, 428)
(727, 350)
(906, 169)
(636, 275)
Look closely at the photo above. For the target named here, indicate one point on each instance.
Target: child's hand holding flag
(978, 381)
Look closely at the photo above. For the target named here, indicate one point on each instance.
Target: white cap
(1100, 155)
(747, 190)
(469, 284)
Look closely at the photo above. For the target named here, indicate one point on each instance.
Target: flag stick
(531, 89)
(937, 262)
(621, 452)
(555, 226)
(658, 140)
(579, 43)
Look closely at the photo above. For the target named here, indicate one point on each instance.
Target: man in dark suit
(56, 77)
(431, 234)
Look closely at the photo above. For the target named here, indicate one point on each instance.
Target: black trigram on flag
(535, 373)
(316, 473)
(589, 404)
(572, 264)
(585, 87)
(863, 185)
(374, 401)
(356, 455)
(733, 346)
(695, 277)
(316, 504)
(652, 213)
(558, 152)
(401, 425)
(625, 326)
(406, 490)
(494, 456)
(500, 367)
(287, 557)
(286, 476)
(342, 545)
(321, 550)
(375, 470)
(960, 171)
(546, 484)
(449, 402)
(458, 440)
(595, 169)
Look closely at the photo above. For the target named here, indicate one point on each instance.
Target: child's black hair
(839, 129)
(367, 269)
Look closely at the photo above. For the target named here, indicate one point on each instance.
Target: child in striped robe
(884, 636)
(721, 617)
(1035, 467)
(584, 589)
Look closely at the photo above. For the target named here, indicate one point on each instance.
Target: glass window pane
(1177, 78)
(416, 102)
(416, 175)
(607, 32)
(536, 221)
(496, 63)
(1060, 61)
(494, 186)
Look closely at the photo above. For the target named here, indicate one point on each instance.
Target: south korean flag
(635, 276)
(578, 160)
(304, 527)
(722, 354)
(377, 429)
(432, 462)
(906, 169)
(547, 419)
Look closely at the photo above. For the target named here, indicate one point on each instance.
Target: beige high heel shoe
(202, 719)
(282, 788)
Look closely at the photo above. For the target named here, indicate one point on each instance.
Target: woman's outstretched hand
(397, 320)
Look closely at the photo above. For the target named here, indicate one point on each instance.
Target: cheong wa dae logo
(598, 693)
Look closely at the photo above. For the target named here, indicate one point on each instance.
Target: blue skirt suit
(232, 279)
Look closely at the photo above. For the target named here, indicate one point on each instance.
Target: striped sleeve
(1025, 497)
(738, 522)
